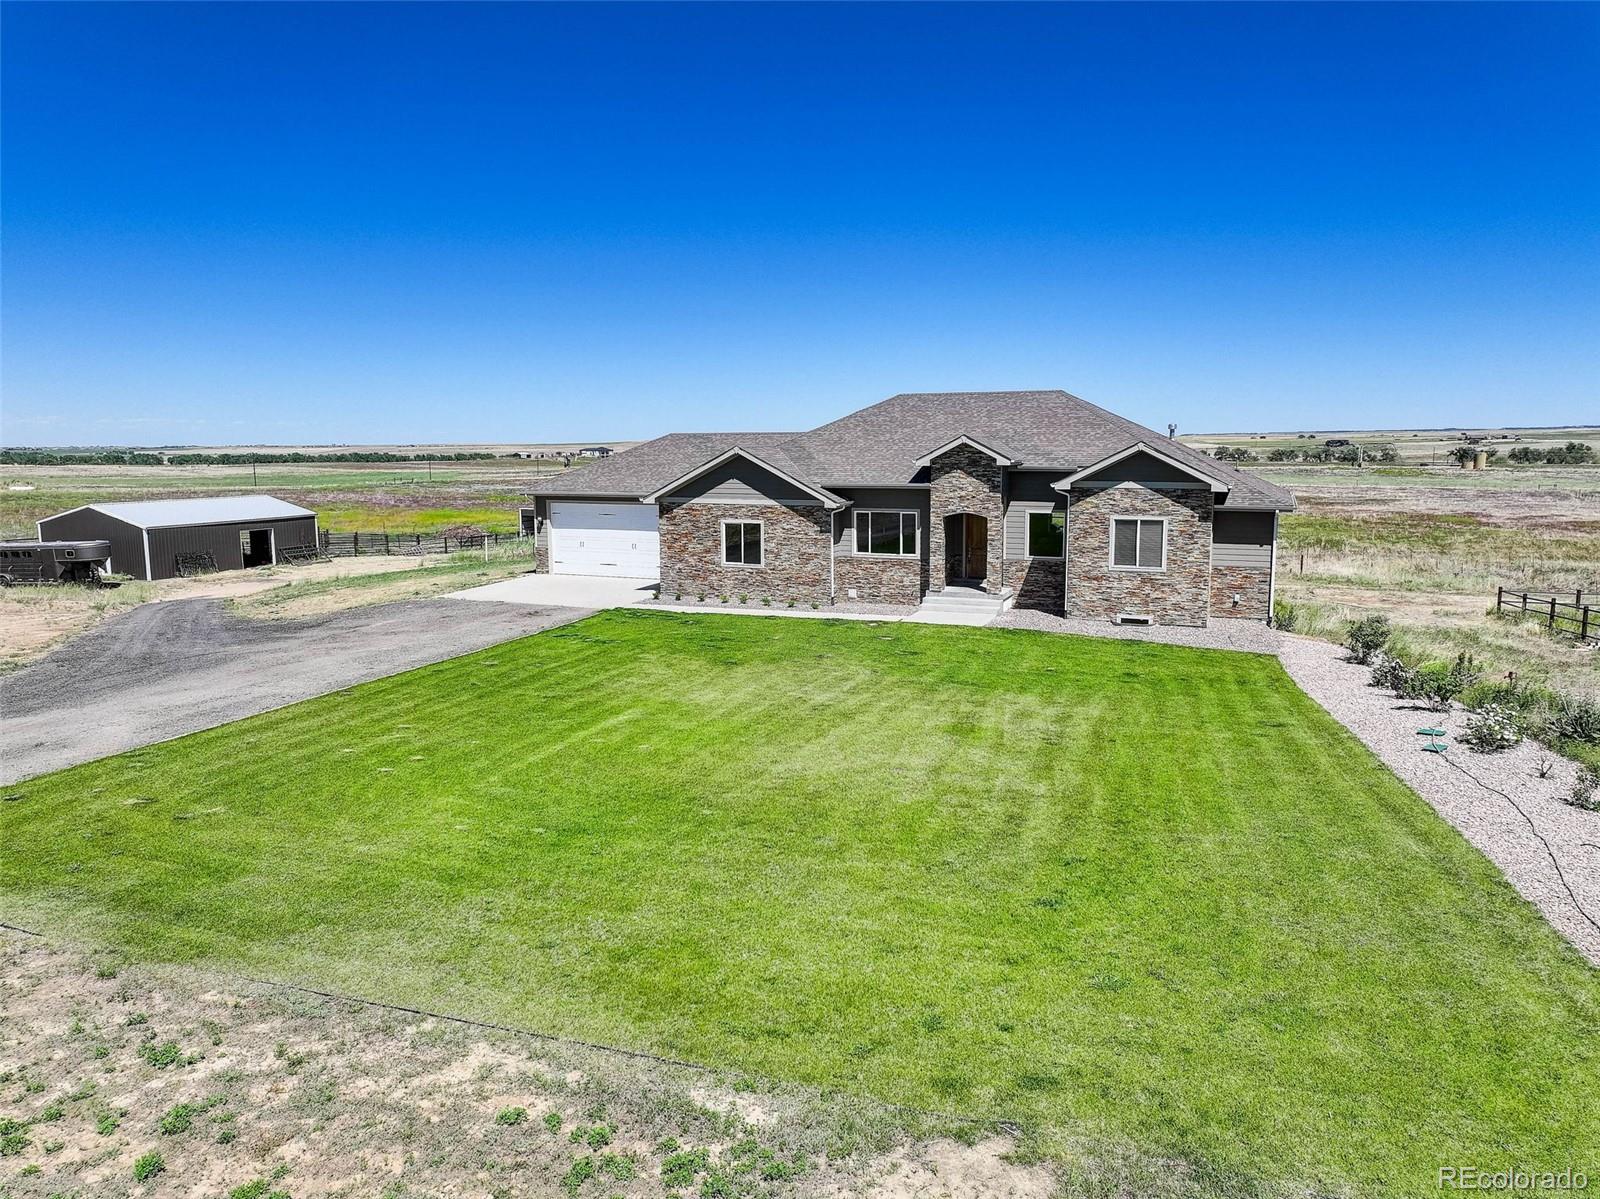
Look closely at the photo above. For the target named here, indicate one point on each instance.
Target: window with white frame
(741, 542)
(887, 532)
(1046, 533)
(1138, 543)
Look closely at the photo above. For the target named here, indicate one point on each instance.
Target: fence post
(1524, 603)
(1499, 598)
(1552, 611)
(1583, 629)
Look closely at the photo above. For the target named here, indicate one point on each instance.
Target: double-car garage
(598, 537)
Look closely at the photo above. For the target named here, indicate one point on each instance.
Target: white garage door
(604, 539)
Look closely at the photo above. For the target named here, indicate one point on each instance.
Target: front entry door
(966, 549)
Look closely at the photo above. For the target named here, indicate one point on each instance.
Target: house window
(741, 542)
(1046, 532)
(1138, 544)
(888, 532)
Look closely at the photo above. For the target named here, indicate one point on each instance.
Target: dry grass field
(1430, 552)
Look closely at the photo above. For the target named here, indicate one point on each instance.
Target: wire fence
(1559, 613)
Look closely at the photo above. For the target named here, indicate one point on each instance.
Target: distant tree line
(1321, 453)
(27, 457)
(1574, 453)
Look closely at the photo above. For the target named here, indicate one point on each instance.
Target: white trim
(833, 550)
(1111, 544)
(1001, 459)
(149, 567)
(1028, 515)
(829, 500)
(722, 547)
(1140, 447)
(916, 522)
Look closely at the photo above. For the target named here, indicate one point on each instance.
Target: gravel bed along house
(1251, 636)
(832, 611)
(1548, 850)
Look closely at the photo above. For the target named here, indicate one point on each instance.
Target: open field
(346, 495)
(1149, 902)
(1413, 445)
(1429, 554)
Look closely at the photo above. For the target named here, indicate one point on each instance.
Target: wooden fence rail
(355, 545)
(1558, 613)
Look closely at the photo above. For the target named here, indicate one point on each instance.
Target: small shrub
(148, 1166)
(744, 597)
(1585, 791)
(552, 1121)
(1393, 674)
(54, 1111)
(1576, 719)
(510, 1116)
(107, 1122)
(767, 601)
(680, 1168)
(161, 1056)
(1543, 767)
(177, 1120)
(599, 1136)
(581, 1171)
(13, 1137)
(1491, 730)
(1366, 637)
(619, 1167)
(1285, 616)
(54, 1146)
(1439, 683)
(791, 604)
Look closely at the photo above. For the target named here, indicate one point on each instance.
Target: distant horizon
(129, 447)
(384, 223)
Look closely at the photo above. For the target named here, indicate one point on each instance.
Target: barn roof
(210, 510)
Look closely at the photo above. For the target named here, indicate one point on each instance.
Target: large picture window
(886, 532)
(1138, 543)
(1046, 533)
(741, 542)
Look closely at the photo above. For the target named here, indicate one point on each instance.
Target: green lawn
(1146, 900)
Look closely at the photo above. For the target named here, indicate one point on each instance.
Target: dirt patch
(232, 1082)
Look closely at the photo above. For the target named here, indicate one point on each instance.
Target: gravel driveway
(166, 669)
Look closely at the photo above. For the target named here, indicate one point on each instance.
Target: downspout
(1272, 576)
(1066, 557)
(833, 541)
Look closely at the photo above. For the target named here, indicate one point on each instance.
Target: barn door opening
(255, 547)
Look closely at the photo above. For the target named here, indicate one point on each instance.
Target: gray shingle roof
(879, 446)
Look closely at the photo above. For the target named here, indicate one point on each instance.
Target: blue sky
(363, 223)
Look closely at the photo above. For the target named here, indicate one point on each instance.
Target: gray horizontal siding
(222, 542)
(1242, 539)
(1016, 545)
(1140, 468)
(739, 482)
(904, 500)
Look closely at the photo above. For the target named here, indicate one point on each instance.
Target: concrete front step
(964, 603)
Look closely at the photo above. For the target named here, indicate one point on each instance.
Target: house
(1038, 498)
(161, 539)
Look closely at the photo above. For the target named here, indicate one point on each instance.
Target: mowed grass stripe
(1145, 898)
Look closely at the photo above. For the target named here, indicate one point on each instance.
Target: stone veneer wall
(1038, 583)
(964, 480)
(1252, 586)
(795, 545)
(878, 580)
(1178, 595)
